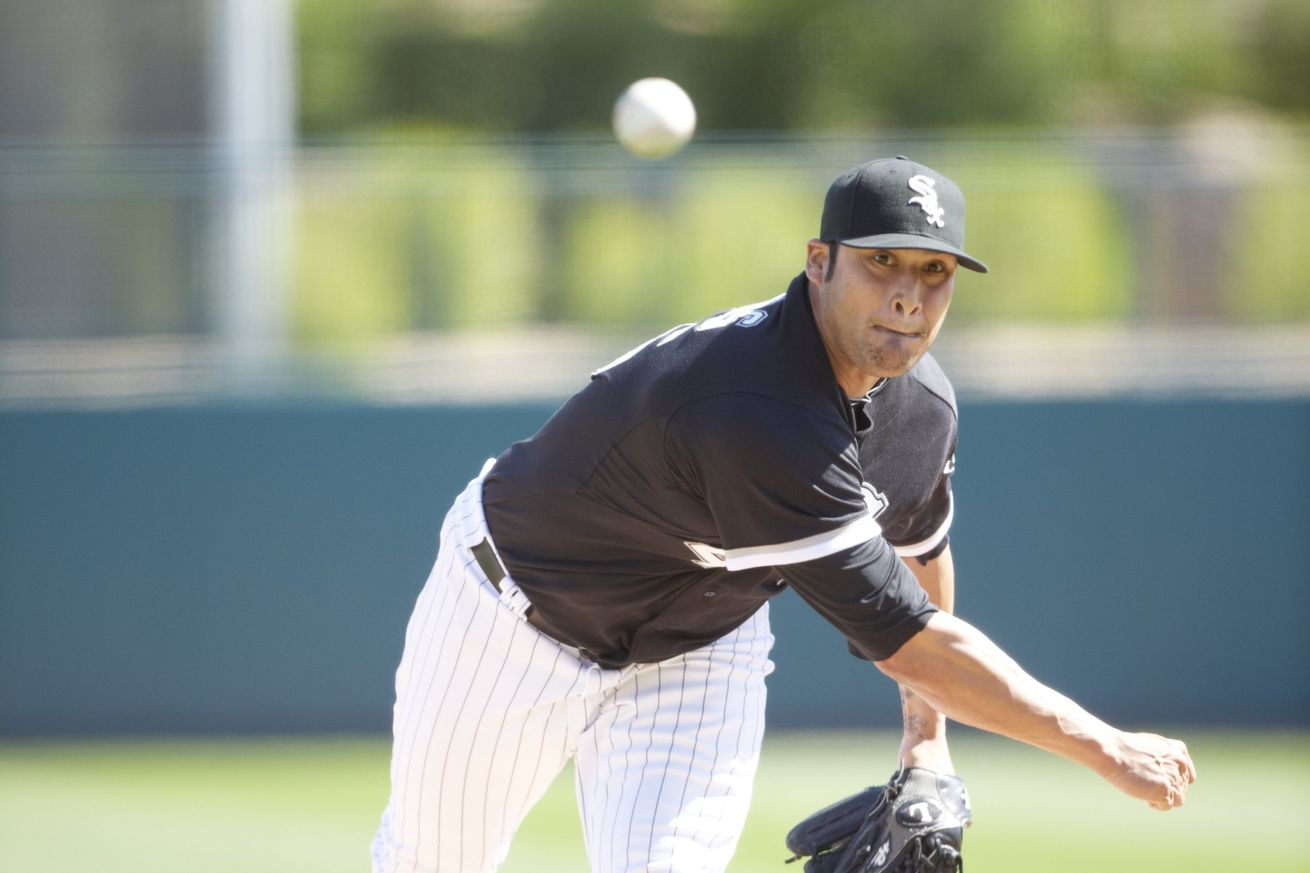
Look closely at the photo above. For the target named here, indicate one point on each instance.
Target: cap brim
(914, 241)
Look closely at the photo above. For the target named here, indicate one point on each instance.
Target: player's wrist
(931, 754)
(1089, 741)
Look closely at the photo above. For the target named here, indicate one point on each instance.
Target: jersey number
(707, 556)
(744, 316)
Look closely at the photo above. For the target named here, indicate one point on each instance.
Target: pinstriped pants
(489, 710)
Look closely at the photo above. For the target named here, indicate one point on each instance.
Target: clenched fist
(1152, 768)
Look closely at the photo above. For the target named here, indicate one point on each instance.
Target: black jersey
(696, 475)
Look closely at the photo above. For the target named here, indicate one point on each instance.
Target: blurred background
(277, 275)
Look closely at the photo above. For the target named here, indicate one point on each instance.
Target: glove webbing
(937, 857)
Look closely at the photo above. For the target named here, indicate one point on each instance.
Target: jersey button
(711, 594)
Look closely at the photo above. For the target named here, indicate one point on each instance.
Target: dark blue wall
(235, 569)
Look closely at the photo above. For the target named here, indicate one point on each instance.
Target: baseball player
(601, 590)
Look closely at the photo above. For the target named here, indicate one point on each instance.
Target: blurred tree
(1282, 44)
(557, 65)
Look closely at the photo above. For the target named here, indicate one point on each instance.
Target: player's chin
(889, 363)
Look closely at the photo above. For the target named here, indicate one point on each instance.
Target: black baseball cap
(894, 203)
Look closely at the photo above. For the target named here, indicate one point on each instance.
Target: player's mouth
(908, 334)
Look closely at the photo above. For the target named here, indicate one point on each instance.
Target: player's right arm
(966, 676)
(923, 741)
(800, 511)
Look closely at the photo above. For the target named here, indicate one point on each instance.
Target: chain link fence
(413, 269)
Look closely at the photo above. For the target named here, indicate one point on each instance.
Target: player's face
(880, 310)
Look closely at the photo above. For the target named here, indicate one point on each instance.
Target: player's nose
(907, 298)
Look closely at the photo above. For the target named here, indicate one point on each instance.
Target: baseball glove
(913, 824)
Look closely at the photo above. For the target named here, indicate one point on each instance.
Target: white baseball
(654, 118)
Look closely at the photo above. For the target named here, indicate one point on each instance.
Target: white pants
(488, 711)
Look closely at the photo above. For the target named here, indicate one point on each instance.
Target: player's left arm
(923, 743)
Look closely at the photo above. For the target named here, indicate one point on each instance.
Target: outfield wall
(250, 568)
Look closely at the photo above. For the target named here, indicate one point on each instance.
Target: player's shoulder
(929, 380)
(754, 420)
(766, 348)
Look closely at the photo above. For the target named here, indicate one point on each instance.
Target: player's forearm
(923, 741)
(958, 671)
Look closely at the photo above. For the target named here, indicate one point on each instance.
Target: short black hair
(832, 258)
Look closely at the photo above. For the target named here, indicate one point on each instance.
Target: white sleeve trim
(913, 550)
(807, 549)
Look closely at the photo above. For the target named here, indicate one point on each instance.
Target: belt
(495, 572)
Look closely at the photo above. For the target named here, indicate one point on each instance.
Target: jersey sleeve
(781, 481)
(868, 594)
(784, 487)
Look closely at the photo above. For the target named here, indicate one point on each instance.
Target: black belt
(485, 554)
(495, 572)
(490, 563)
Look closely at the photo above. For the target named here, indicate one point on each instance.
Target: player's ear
(816, 261)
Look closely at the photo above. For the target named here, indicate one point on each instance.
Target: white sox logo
(927, 199)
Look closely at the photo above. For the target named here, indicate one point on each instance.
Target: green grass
(311, 805)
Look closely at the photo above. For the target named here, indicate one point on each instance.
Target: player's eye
(935, 267)
(884, 258)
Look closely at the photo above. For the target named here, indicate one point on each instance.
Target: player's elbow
(919, 660)
(900, 667)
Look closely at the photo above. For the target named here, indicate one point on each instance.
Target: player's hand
(1153, 768)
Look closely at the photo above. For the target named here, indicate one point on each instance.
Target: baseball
(654, 118)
